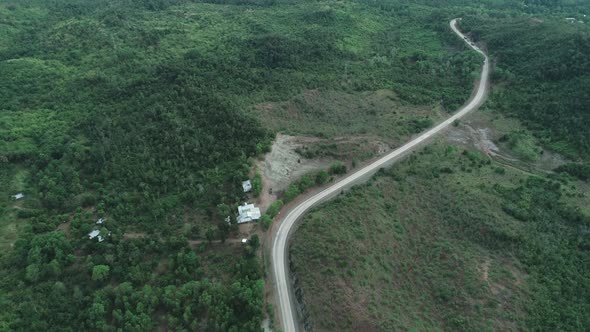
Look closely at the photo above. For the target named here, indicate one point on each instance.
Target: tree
(291, 193)
(223, 231)
(32, 273)
(265, 221)
(254, 242)
(210, 234)
(257, 185)
(305, 182)
(322, 177)
(223, 210)
(274, 208)
(337, 168)
(100, 272)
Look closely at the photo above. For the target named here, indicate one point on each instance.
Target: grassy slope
(332, 114)
(430, 246)
(380, 255)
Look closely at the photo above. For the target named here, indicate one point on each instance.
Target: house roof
(248, 212)
(18, 196)
(247, 185)
(93, 234)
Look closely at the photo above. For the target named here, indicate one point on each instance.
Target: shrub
(274, 208)
(322, 177)
(265, 221)
(581, 171)
(257, 185)
(292, 192)
(100, 272)
(337, 168)
(305, 182)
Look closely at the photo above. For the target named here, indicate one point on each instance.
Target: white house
(247, 185)
(93, 234)
(248, 212)
(96, 234)
(18, 196)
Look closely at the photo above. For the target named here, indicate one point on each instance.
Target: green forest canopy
(139, 110)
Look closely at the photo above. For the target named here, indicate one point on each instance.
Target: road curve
(279, 254)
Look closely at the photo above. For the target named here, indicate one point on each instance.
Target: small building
(248, 212)
(96, 234)
(18, 196)
(247, 186)
(244, 240)
(101, 221)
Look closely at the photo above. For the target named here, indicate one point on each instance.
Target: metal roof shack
(101, 221)
(93, 234)
(248, 212)
(96, 234)
(18, 196)
(247, 185)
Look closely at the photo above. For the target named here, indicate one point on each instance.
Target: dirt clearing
(283, 165)
(287, 160)
(484, 131)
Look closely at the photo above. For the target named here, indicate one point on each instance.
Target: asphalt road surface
(279, 254)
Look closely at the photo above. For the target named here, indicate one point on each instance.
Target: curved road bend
(279, 248)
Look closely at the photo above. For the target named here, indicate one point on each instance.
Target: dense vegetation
(542, 75)
(143, 113)
(448, 240)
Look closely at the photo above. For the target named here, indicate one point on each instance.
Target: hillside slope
(447, 241)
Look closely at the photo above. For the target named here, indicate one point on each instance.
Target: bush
(500, 170)
(257, 185)
(292, 192)
(322, 177)
(24, 214)
(100, 272)
(274, 208)
(265, 221)
(581, 171)
(305, 182)
(337, 168)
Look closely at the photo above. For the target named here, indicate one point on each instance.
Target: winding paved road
(279, 253)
